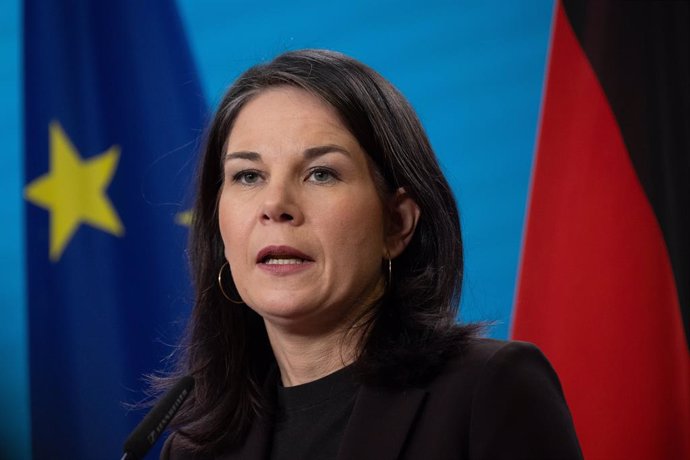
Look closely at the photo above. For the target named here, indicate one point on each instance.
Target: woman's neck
(309, 348)
(302, 359)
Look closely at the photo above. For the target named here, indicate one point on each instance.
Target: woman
(327, 258)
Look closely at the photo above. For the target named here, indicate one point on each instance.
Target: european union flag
(113, 116)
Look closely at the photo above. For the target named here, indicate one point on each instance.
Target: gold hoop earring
(390, 267)
(220, 284)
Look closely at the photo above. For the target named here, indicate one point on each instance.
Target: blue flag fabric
(113, 116)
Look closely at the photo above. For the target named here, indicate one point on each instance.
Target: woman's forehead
(287, 115)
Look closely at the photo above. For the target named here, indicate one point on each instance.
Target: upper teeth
(274, 261)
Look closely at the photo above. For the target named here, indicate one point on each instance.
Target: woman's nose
(280, 204)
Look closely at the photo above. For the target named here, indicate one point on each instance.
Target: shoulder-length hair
(412, 329)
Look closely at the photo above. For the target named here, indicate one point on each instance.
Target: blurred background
(473, 70)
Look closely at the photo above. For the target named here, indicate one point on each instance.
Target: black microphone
(150, 428)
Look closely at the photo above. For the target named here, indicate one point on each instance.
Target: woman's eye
(322, 175)
(246, 177)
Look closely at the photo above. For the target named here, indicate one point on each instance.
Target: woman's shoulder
(509, 391)
(477, 353)
(489, 362)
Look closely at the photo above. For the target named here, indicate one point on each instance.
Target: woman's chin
(304, 317)
(282, 308)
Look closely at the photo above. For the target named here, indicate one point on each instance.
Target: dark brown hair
(412, 329)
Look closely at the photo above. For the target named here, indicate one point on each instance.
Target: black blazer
(497, 400)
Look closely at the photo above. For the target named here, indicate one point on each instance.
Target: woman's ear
(403, 217)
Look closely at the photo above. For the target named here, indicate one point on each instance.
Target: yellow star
(184, 218)
(74, 191)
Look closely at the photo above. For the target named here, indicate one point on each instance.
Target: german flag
(604, 285)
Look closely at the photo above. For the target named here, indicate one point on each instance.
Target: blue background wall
(473, 70)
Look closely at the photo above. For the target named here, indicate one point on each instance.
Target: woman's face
(300, 217)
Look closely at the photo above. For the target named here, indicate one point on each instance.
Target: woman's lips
(283, 260)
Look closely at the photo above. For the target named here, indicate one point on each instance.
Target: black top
(311, 418)
(494, 400)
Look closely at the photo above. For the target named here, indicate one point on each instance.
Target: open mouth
(282, 255)
(282, 261)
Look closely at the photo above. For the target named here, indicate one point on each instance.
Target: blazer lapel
(380, 422)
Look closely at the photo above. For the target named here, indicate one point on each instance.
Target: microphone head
(152, 426)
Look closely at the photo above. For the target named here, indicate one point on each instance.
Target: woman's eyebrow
(315, 152)
(251, 156)
(309, 154)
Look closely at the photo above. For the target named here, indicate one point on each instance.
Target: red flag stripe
(596, 289)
